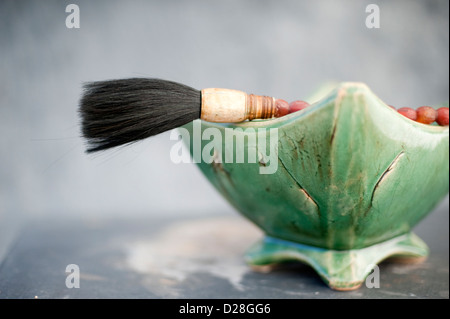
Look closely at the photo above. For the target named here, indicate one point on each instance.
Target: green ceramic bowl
(353, 177)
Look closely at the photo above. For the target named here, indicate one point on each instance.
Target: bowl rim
(341, 90)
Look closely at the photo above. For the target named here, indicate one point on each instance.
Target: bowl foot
(340, 269)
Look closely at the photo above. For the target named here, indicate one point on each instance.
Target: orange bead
(297, 106)
(426, 115)
(408, 112)
(442, 116)
(282, 107)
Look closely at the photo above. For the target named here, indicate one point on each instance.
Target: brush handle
(231, 106)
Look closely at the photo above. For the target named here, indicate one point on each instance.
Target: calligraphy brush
(118, 112)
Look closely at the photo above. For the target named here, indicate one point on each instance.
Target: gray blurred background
(279, 48)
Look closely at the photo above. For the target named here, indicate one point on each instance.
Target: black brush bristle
(119, 112)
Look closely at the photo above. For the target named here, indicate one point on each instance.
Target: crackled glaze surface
(351, 173)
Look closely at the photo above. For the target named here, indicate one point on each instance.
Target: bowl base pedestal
(340, 269)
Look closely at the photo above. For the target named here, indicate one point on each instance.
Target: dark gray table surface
(190, 257)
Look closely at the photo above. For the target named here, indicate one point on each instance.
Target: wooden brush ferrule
(231, 106)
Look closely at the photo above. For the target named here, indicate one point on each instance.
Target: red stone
(426, 115)
(408, 112)
(297, 106)
(442, 116)
(282, 107)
